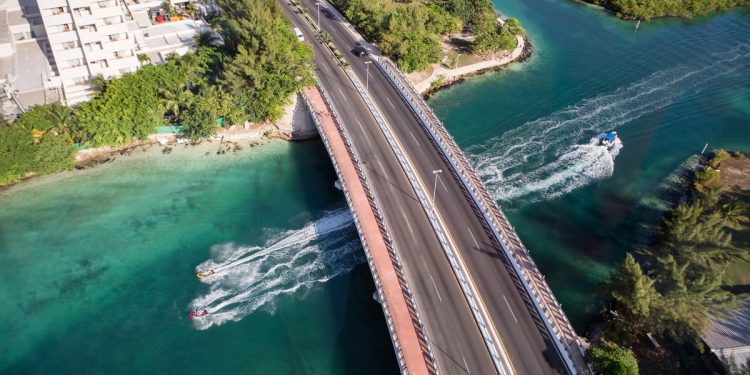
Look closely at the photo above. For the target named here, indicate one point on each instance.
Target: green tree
(54, 153)
(634, 291)
(610, 359)
(199, 120)
(16, 152)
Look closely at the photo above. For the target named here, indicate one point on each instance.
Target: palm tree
(175, 101)
(203, 39)
(190, 9)
(143, 58)
(167, 7)
(64, 123)
(98, 84)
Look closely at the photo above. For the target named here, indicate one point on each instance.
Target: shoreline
(628, 17)
(232, 139)
(451, 77)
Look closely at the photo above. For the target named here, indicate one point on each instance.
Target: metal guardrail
(499, 357)
(534, 283)
(393, 254)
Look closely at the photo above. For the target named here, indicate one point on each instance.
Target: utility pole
(367, 76)
(318, 4)
(434, 188)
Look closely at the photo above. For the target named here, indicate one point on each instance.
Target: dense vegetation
(678, 280)
(611, 359)
(647, 9)
(408, 31)
(250, 78)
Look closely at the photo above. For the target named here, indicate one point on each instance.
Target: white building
(51, 49)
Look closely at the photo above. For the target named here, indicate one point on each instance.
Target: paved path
(451, 74)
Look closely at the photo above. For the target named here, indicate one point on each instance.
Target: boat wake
(546, 158)
(248, 278)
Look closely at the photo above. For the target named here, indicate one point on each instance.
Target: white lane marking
(361, 127)
(436, 289)
(443, 183)
(408, 224)
(325, 67)
(473, 238)
(381, 166)
(389, 102)
(466, 365)
(415, 138)
(511, 310)
(342, 94)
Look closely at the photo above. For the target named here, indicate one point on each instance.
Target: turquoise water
(99, 269)
(668, 89)
(98, 266)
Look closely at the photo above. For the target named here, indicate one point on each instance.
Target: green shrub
(610, 359)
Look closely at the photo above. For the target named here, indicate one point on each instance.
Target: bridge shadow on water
(363, 344)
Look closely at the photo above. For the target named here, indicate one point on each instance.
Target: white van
(298, 32)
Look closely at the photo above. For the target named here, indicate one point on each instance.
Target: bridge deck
(407, 334)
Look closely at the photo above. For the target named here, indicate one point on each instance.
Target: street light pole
(318, 4)
(434, 188)
(367, 75)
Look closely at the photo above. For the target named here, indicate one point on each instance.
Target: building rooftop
(729, 336)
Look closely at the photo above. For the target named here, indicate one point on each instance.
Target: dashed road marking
(389, 102)
(473, 238)
(511, 310)
(436, 289)
(415, 138)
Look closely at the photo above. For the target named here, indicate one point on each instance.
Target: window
(70, 45)
(80, 80)
(85, 11)
(112, 20)
(74, 63)
(23, 36)
(96, 46)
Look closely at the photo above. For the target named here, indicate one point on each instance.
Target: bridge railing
(416, 319)
(480, 315)
(543, 299)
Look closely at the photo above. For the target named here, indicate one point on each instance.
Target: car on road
(359, 51)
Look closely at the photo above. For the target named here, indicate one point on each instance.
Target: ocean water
(99, 269)
(98, 266)
(667, 89)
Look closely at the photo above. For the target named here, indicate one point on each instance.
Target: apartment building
(51, 49)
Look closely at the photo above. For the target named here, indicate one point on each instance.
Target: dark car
(359, 51)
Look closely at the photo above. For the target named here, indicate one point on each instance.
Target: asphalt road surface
(457, 343)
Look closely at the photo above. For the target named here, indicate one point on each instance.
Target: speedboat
(203, 274)
(197, 314)
(607, 140)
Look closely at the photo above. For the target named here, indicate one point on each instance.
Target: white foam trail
(226, 256)
(293, 261)
(540, 160)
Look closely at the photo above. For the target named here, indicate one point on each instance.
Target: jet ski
(197, 314)
(203, 274)
(607, 140)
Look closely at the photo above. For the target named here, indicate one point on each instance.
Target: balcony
(58, 19)
(74, 71)
(62, 37)
(116, 28)
(106, 12)
(119, 45)
(47, 4)
(77, 3)
(89, 36)
(69, 54)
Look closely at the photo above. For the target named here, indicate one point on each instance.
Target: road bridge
(476, 302)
